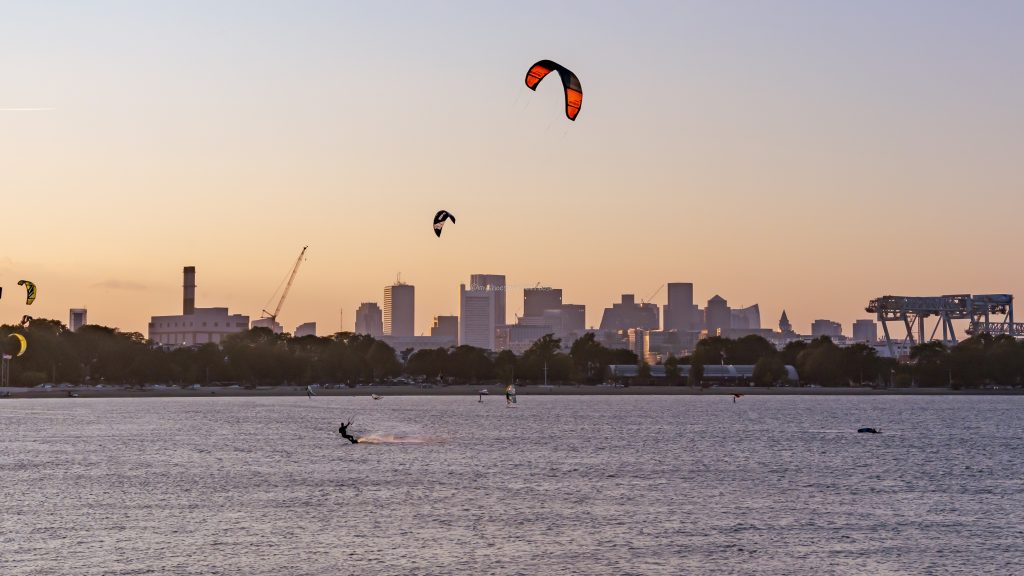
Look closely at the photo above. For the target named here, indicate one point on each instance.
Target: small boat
(376, 396)
(868, 430)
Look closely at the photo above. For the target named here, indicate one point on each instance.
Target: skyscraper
(748, 318)
(78, 319)
(496, 284)
(679, 311)
(399, 309)
(719, 316)
(476, 317)
(369, 319)
(537, 300)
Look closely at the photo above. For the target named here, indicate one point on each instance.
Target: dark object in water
(868, 430)
(343, 430)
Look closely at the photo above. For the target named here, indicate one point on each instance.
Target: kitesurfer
(510, 394)
(343, 430)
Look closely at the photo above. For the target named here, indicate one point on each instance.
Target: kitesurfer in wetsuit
(344, 433)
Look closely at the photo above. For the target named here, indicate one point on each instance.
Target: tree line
(99, 354)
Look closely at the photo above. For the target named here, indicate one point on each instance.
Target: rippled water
(558, 485)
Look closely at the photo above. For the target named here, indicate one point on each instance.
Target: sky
(805, 156)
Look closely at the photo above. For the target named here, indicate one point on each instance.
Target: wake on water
(380, 438)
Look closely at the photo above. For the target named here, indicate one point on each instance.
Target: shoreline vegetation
(102, 361)
(495, 390)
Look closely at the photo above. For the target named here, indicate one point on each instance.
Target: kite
(22, 342)
(30, 291)
(571, 84)
(25, 320)
(439, 219)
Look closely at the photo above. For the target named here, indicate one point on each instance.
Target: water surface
(558, 485)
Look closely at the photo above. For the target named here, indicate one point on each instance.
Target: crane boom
(651, 297)
(288, 286)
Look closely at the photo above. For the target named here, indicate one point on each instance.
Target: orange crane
(287, 287)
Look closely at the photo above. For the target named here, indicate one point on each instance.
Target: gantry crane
(287, 287)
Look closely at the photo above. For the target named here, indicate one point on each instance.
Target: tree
(544, 356)
(430, 363)
(820, 362)
(382, 360)
(505, 366)
(696, 375)
(769, 370)
(672, 369)
(931, 364)
(469, 363)
(591, 358)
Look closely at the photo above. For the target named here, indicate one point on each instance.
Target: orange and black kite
(573, 88)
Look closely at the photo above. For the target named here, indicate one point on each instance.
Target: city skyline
(807, 160)
(515, 293)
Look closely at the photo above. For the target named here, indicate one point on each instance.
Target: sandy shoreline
(472, 390)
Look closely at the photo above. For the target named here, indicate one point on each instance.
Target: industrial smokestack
(188, 304)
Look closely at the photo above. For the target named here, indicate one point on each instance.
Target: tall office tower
(399, 309)
(679, 310)
(537, 300)
(476, 317)
(748, 318)
(78, 319)
(496, 284)
(370, 319)
(718, 316)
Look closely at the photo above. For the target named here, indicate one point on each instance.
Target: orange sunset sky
(805, 156)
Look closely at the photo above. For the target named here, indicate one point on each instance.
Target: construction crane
(651, 297)
(287, 287)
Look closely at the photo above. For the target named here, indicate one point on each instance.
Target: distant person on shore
(343, 430)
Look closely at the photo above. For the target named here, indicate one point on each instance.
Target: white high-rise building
(477, 317)
(78, 318)
(494, 283)
(400, 310)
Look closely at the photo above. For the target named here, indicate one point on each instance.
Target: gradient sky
(800, 155)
